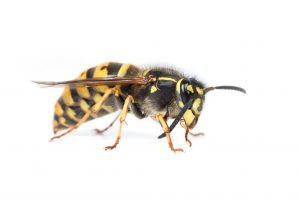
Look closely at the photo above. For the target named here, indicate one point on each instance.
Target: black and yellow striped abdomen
(75, 102)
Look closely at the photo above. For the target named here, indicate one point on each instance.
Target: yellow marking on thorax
(83, 91)
(58, 109)
(167, 79)
(178, 86)
(84, 106)
(188, 117)
(196, 105)
(67, 97)
(153, 89)
(101, 72)
(190, 88)
(71, 113)
(200, 91)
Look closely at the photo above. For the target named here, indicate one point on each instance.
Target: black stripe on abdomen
(113, 68)
(75, 95)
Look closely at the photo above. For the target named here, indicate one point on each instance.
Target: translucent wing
(109, 80)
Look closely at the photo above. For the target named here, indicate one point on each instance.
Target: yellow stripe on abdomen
(58, 109)
(67, 97)
(123, 70)
(83, 91)
(101, 72)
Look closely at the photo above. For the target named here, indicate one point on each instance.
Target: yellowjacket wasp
(160, 93)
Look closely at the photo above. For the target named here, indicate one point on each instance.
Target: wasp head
(190, 97)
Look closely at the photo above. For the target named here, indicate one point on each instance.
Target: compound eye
(184, 92)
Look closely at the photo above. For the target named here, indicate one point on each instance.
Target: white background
(252, 142)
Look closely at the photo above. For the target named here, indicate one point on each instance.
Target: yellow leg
(128, 100)
(165, 127)
(92, 110)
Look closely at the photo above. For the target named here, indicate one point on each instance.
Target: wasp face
(187, 89)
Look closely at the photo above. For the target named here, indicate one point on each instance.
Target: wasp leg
(165, 127)
(128, 100)
(100, 131)
(94, 109)
(186, 137)
(187, 132)
(182, 124)
(196, 134)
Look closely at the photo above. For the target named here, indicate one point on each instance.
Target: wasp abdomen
(75, 102)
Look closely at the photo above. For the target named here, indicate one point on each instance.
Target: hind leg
(100, 131)
(94, 109)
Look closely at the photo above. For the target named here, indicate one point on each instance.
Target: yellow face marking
(190, 88)
(196, 105)
(84, 106)
(71, 113)
(167, 79)
(181, 105)
(58, 109)
(123, 70)
(200, 92)
(67, 97)
(188, 117)
(178, 86)
(153, 89)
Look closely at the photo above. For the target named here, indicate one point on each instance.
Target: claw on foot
(110, 147)
(190, 143)
(177, 150)
(196, 134)
(113, 146)
(53, 138)
(99, 131)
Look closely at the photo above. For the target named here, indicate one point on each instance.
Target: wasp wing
(109, 80)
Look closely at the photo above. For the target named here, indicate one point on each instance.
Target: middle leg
(100, 131)
(124, 112)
